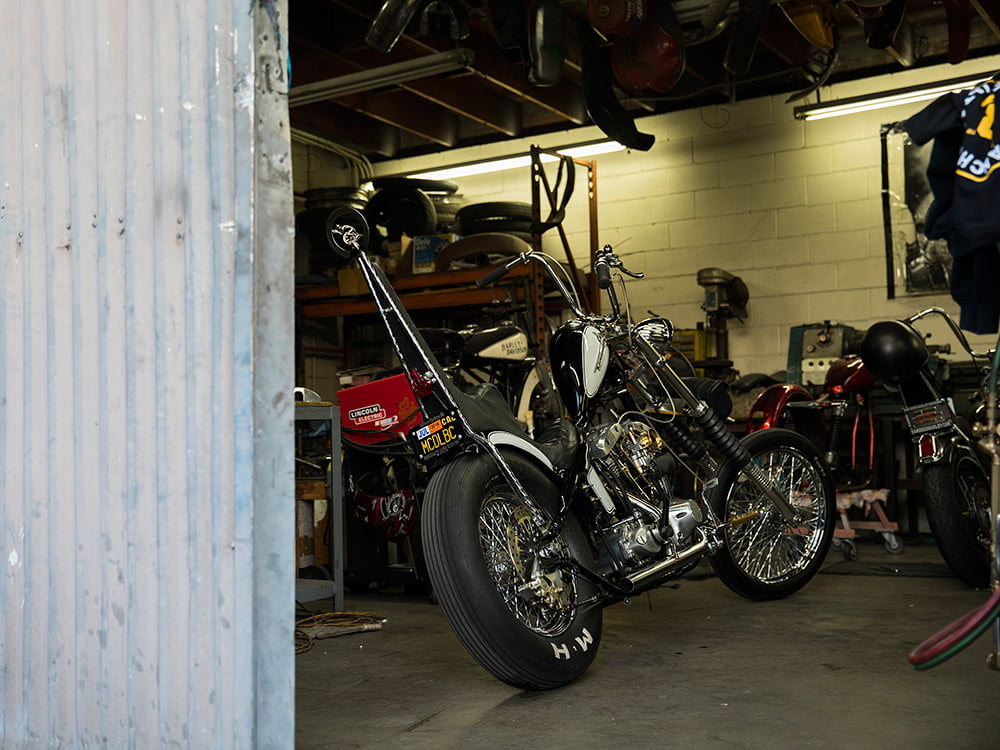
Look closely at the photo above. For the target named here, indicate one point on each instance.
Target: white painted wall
(794, 208)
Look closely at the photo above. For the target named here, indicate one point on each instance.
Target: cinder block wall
(794, 208)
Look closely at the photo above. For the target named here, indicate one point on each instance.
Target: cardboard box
(425, 250)
(400, 260)
(351, 282)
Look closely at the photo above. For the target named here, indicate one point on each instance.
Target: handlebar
(548, 264)
(498, 273)
(951, 324)
(603, 263)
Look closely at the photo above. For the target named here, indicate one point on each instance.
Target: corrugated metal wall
(145, 462)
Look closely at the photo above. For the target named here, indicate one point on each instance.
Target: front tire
(764, 556)
(510, 597)
(957, 500)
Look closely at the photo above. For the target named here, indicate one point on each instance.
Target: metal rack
(333, 493)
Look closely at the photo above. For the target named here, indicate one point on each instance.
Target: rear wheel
(957, 498)
(510, 594)
(765, 556)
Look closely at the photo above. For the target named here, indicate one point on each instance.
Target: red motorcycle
(942, 422)
(841, 423)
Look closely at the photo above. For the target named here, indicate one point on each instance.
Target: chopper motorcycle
(955, 467)
(526, 540)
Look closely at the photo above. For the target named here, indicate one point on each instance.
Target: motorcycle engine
(636, 469)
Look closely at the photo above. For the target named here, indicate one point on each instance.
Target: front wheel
(957, 499)
(765, 556)
(509, 592)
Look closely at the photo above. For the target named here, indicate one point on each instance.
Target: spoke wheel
(509, 590)
(764, 555)
(541, 597)
(957, 498)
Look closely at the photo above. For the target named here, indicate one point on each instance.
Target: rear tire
(765, 556)
(957, 500)
(518, 613)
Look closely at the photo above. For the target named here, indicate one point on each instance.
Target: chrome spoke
(767, 547)
(541, 599)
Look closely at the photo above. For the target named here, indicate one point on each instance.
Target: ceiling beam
(408, 113)
(341, 125)
(458, 93)
(565, 99)
(989, 10)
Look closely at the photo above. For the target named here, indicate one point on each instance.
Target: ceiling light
(517, 161)
(894, 98)
(387, 75)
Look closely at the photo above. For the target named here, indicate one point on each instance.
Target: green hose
(980, 628)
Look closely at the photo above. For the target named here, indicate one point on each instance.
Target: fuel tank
(580, 358)
(505, 343)
(849, 375)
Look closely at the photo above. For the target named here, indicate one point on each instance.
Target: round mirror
(347, 231)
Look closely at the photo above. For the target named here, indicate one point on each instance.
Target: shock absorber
(683, 440)
(836, 419)
(715, 429)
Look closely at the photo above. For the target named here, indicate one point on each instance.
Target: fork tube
(415, 355)
(713, 426)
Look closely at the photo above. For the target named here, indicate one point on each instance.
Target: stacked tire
(507, 217)
(412, 206)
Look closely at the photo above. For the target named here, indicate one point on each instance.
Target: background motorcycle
(841, 422)
(955, 468)
(527, 540)
(500, 352)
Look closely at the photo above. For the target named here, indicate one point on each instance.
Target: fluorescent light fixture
(895, 98)
(518, 161)
(387, 75)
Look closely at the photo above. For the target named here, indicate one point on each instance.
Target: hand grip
(497, 273)
(603, 272)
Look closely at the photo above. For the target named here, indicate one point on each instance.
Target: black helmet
(893, 351)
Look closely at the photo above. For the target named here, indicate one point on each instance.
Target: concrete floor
(687, 666)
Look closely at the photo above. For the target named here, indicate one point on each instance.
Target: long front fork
(713, 427)
(427, 378)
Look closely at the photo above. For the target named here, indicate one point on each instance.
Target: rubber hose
(942, 645)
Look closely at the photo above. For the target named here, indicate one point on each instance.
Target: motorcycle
(841, 422)
(527, 540)
(500, 353)
(955, 468)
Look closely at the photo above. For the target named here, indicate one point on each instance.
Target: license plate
(435, 438)
(928, 417)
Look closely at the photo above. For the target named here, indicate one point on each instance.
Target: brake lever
(608, 258)
(633, 274)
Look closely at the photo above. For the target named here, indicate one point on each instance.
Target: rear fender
(509, 441)
(500, 447)
(768, 406)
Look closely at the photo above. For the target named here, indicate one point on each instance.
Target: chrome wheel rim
(765, 545)
(541, 596)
